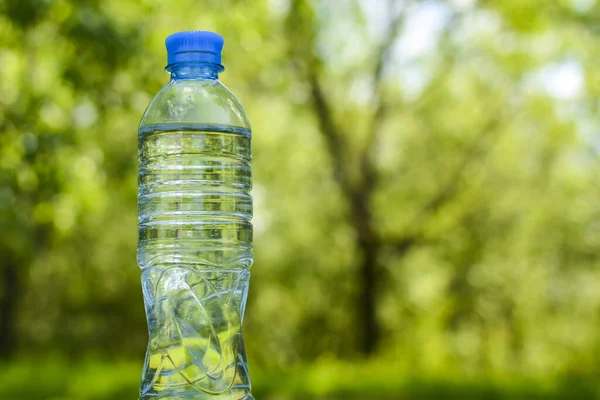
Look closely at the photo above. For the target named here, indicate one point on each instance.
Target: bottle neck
(194, 70)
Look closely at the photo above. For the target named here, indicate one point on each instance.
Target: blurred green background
(427, 176)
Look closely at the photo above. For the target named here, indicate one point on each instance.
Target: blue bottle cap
(191, 46)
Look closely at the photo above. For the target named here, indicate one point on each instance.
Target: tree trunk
(8, 307)
(368, 300)
(368, 245)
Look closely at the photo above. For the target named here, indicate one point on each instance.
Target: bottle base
(198, 397)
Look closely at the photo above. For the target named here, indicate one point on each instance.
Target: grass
(57, 379)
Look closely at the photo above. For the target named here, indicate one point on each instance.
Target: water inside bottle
(195, 250)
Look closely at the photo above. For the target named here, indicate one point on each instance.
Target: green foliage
(482, 170)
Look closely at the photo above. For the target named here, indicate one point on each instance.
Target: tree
(356, 170)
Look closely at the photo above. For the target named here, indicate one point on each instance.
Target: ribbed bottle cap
(190, 46)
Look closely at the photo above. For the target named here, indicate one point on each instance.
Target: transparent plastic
(195, 237)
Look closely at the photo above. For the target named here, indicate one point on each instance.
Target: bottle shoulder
(195, 101)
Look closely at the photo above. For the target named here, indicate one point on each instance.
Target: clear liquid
(195, 251)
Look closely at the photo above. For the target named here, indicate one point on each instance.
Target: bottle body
(195, 238)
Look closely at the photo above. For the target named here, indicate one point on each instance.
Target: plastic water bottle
(195, 232)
